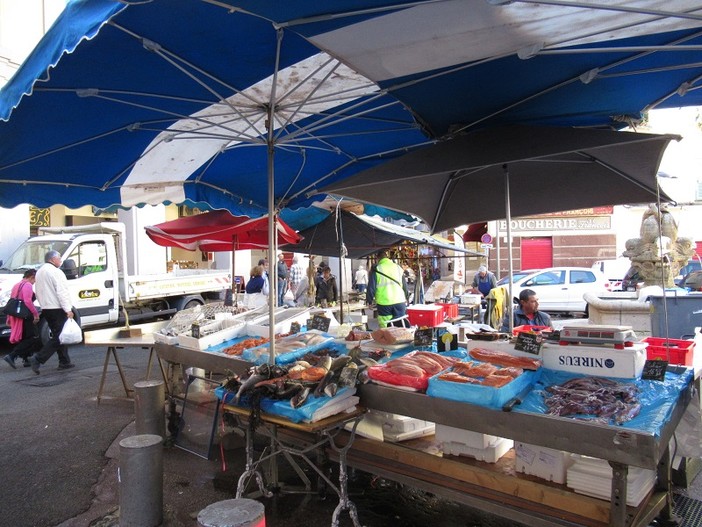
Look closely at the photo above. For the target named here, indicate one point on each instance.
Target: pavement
(60, 456)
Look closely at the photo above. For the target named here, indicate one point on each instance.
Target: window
(90, 257)
(582, 277)
(549, 278)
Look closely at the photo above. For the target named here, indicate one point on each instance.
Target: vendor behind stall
(527, 314)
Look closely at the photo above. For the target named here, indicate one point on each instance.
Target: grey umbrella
(517, 170)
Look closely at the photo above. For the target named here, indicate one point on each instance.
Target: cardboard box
(599, 361)
(429, 315)
(542, 462)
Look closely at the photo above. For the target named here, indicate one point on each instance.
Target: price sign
(529, 342)
(654, 370)
(446, 341)
(319, 322)
(294, 327)
(423, 336)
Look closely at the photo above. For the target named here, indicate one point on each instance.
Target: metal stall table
(321, 434)
(621, 447)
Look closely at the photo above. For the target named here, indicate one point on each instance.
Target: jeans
(281, 290)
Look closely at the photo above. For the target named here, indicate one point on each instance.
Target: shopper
(387, 289)
(327, 292)
(257, 283)
(295, 275)
(55, 300)
(282, 274)
(527, 314)
(23, 331)
(361, 279)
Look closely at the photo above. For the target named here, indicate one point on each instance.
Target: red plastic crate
(527, 329)
(450, 310)
(674, 351)
(429, 315)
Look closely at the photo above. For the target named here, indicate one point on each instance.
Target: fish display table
(324, 432)
(110, 339)
(620, 447)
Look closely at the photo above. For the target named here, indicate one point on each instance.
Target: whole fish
(321, 385)
(300, 397)
(248, 384)
(331, 389)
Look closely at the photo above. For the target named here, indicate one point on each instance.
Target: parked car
(693, 264)
(693, 281)
(613, 270)
(561, 289)
(632, 280)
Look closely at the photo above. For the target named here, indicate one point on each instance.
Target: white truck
(94, 259)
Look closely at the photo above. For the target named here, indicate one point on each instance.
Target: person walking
(295, 275)
(282, 274)
(527, 314)
(361, 279)
(387, 288)
(23, 331)
(55, 301)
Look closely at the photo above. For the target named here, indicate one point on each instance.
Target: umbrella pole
(234, 283)
(342, 267)
(510, 270)
(272, 250)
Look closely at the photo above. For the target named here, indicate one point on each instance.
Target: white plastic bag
(71, 333)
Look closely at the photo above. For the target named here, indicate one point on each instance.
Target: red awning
(218, 231)
(474, 232)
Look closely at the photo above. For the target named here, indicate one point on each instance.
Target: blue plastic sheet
(657, 398)
(259, 354)
(304, 413)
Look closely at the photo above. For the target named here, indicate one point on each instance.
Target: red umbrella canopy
(219, 230)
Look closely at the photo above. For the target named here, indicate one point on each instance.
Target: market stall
(617, 452)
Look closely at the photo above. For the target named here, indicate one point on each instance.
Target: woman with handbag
(23, 330)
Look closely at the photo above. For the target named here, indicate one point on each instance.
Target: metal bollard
(141, 481)
(233, 513)
(149, 407)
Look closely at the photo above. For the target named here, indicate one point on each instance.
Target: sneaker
(10, 361)
(34, 363)
(66, 366)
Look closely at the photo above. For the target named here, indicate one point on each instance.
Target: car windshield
(30, 255)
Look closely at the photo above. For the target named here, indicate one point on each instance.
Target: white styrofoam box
(392, 437)
(221, 331)
(471, 299)
(491, 454)
(542, 462)
(165, 339)
(468, 438)
(397, 424)
(260, 327)
(593, 477)
(599, 361)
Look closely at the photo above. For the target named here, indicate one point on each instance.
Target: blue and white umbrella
(196, 101)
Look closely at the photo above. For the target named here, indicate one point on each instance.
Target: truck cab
(90, 264)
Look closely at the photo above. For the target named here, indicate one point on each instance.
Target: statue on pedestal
(658, 255)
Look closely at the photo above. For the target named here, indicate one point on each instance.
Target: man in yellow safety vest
(387, 289)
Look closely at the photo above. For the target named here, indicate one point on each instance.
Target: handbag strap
(22, 283)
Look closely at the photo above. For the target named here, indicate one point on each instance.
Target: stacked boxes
(483, 447)
(542, 462)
